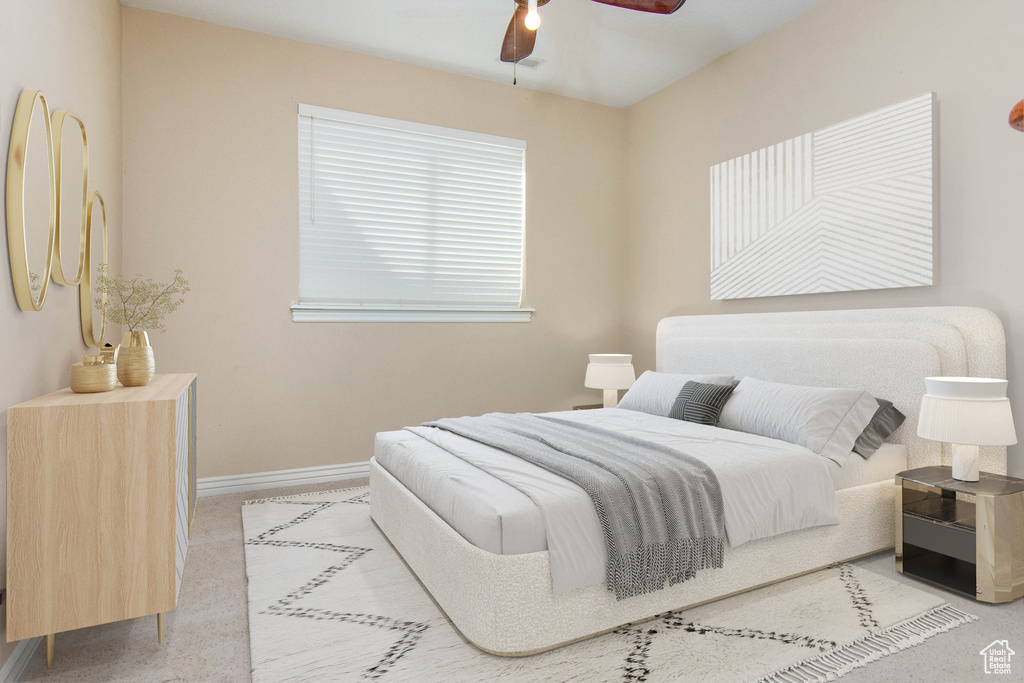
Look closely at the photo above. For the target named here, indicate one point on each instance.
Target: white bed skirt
(503, 603)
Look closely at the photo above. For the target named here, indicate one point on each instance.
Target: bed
(479, 547)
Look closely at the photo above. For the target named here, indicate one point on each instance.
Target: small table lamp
(967, 412)
(611, 372)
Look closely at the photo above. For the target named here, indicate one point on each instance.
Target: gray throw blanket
(661, 510)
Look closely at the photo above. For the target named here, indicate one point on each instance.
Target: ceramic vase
(135, 362)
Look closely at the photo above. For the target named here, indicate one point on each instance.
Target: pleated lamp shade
(972, 411)
(610, 371)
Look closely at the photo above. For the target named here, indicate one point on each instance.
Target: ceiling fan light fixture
(532, 20)
(521, 34)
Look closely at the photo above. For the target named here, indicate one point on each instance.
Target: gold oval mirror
(72, 198)
(31, 200)
(95, 209)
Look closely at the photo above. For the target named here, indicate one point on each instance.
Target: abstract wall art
(848, 207)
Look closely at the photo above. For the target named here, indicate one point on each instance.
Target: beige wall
(210, 183)
(841, 59)
(209, 156)
(72, 52)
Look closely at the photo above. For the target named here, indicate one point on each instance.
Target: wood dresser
(100, 494)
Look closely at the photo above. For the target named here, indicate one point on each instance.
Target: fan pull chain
(515, 43)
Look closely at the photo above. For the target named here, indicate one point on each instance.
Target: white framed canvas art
(848, 207)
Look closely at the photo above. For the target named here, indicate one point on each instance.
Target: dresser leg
(160, 627)
(50, 647)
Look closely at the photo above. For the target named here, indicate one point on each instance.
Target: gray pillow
(655, 392)
(701, 403)
(826, 421)
(887, 420)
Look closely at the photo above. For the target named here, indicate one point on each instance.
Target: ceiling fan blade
(519, 40)
(655, 6)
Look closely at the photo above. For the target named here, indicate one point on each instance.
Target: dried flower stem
(143, 303)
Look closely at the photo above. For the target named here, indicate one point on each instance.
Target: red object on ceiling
(1017, 116)
(654, 6)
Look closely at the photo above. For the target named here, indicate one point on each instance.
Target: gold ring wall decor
(57, 126)
(85, 286)
(16, 224)
(16, 229)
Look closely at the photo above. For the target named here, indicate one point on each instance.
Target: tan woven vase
(135, 362)
(92, 375)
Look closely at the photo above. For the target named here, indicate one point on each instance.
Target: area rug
(331, 600)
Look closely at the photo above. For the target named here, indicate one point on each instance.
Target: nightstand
(589, 406)
(962, 535)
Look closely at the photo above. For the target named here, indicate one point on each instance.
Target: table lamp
(611, 372)
(967, 412)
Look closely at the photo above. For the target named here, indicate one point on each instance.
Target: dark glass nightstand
(962, 535)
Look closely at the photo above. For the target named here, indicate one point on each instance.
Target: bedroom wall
(841, 59)
(72, 52)
(210, 181)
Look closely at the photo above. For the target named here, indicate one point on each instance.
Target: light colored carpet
(330, 599)
(208, 635)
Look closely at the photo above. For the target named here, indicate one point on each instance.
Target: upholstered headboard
(887, 351)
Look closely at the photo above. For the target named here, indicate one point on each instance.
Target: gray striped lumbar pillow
(701, 403)
(655, 392)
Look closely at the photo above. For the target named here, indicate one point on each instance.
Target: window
(400, 221)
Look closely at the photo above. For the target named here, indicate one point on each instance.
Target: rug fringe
(901, 636)
(301, 495)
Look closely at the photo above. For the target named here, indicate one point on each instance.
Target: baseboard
(15, 665)
(257, 481)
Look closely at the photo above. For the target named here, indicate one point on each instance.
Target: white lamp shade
(610, 371)
(972, 411)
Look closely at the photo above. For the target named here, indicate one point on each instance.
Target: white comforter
(769, 487)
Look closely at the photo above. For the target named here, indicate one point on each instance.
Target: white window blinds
(403, 221)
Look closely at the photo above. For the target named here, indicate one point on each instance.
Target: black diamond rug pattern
(330, 599)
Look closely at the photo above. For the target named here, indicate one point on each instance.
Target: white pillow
(655, 392)
(826, 421)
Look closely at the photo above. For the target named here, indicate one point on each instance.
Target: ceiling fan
(522, 30)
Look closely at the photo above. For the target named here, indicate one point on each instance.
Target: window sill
(319, 313)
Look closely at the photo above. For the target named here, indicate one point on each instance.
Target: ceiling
(590, 51)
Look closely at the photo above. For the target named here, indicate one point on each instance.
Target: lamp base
(611, 398)
(966, 462)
